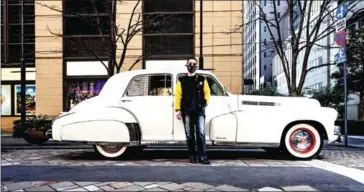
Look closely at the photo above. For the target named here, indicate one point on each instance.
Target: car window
(215, 87)
(150, 85)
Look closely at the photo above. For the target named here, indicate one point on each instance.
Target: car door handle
(126, 100)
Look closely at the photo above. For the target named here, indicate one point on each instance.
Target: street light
(22, 71)
(201, 30)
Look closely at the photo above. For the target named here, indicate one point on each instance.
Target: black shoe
(193, 159)
(203, 160)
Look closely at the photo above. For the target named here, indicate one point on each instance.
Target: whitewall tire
(110, 151)
(303, 141)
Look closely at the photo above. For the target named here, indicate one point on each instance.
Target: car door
(219, 104)
(150, 99)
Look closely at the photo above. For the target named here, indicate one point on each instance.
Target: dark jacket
(192, 93)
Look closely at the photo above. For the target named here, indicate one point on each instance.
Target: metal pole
(201, 31)
(22, 70)
(346, 105)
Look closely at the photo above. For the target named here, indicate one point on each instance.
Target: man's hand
(179, 115)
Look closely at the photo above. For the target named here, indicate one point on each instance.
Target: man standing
(192, 96)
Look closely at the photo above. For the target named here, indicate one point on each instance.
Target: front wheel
(303, 141)
(110, 151)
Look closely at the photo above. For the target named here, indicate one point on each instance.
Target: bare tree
(111, 33)
(306, 26)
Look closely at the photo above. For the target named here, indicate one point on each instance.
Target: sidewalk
(136, 186)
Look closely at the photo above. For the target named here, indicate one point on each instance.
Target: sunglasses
(192, 63)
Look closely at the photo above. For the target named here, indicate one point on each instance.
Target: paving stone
(103, 184)
(200, 186)
(77, 189)
(67, 187)
(91, 188)
(172, 186)
(107, 188)
(143, 183)
(162, 183)
(268, 189)
(16, 186)
(41, 188)
(131, 188)
(299, 188)
(62, 185)
(121, 185)
(151, 186)
(212, 189)
(256, 164)
(85, 183)
(155, 189)
(229, 188)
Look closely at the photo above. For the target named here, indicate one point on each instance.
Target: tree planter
(34, 129)
(35, 137)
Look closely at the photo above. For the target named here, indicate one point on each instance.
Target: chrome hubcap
(302, 140)
(111, 148)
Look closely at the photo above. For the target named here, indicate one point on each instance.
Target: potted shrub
(34, 129)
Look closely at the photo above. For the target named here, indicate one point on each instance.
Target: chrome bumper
(49, 134)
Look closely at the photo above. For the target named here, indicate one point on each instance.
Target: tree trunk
(294, 93)
(111, 66)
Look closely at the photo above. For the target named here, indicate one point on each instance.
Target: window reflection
(78, 91)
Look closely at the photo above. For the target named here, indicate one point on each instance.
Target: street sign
(340, 25)
(341, 12)
(341, 56)
(341, 38)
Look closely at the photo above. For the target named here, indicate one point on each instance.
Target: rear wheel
(110, 151)
(303, 141)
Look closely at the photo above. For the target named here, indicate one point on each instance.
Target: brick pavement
(82, 157)
(135, 186)
(349, 158)
(86, 157)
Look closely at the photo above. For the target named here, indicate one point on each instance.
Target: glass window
(215, 87)
(5, 99)
(174, 17)
(152, 85)
(79, 90)
(29, 99)
(160, 85)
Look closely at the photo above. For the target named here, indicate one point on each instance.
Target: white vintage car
(136, 109)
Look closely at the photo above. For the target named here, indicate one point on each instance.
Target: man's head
(192, 65)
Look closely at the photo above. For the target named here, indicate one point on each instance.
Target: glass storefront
(79, 90)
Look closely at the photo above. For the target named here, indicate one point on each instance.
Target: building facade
(68, 61)
(323, 53)
(258, 41)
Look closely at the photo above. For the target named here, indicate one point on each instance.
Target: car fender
(102, 124)
(267, 124)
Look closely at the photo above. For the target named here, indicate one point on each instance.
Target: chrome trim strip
(223, 143)
(60, 116)
(178, 143)
(92, 121)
